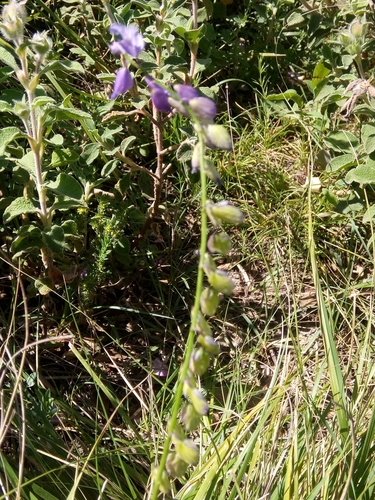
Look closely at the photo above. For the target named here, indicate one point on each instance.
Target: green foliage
(255, 342)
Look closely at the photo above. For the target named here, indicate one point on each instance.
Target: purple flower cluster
(129, 41)
(202, 107)
(184, 99)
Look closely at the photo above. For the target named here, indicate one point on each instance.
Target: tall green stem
(194, 316)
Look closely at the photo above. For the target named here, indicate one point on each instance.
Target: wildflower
(123, 82)
(14, 18)
(130, 40)
(203, 108)
(185, 92)
(159, 95)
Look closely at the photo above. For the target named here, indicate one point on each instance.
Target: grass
(83, 413)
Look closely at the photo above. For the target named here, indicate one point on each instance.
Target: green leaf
(7, 135)
(54, 239)
(18, 207)
(66, 185)
(121, 250)
(29, 238)
(69, 66)
(194, 36)
(56, 140)
(369, 214)
(42, 101)
(367, 130)
(5, 107)
(369, 144)
(61, 157)
(126, 143)
(90, 153)
(27, 162)
(363, 174)
(70, 114)
(320, 73)
(109, 167)
(202, 64)
(67, 203)
(295, 19)
(288, 94)
(342, 141)
(7, 58)
(342, 161)
(44, 285)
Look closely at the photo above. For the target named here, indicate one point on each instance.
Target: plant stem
(194, 316)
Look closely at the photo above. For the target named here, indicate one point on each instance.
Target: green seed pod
(187, 450)
(219, 243)
(221, 282)
(209, 344)
(175, 466)
(199, 361)
(202, 326)
(225, 212)
(217, 137)
(199, 402)
(190, 417)
(209, 301)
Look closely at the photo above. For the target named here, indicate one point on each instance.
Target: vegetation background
(90, 354)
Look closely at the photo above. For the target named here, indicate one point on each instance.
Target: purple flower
(159, 96)
(159, 368)
(123, 82)
(185, 92)
(130, 40)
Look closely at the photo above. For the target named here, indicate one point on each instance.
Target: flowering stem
(34, 130)
(194, 316)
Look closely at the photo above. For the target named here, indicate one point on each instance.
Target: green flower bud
(165, 484)
(196, 159)
(199, 361)
(189, 384)
(209, 301)
(211, 172)
(199, 402)
(209, 265)
(21, 109)
(202, 326)
(209, 344)
(358, 29)
(217, 137)
(177, 432)
(221, 282)
(41, 43)
(190, 417)
(219, 243)
(14, 17)
(225, 212)
(176, 467)
(187, 450)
